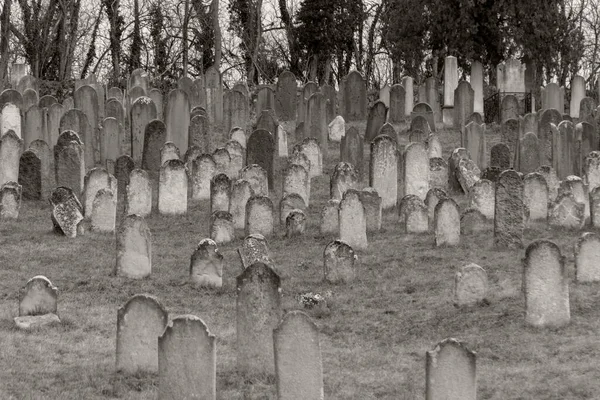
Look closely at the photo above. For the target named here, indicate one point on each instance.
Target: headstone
(173, 188)
(371, 201)
(10, 120)
(450, 85)
(37, 304)
(470, 285)
(500, 156)
(104, 211)
(551, 180)
(447, 223)
(482, 198)
(199, 134)
(169, 151)
(241, 191)
(438, 173)
(187, 360)
(203, 170)
(545, 284)
(383, 170)
(329, 218)
(221, 227)
(451, 372)
(296, 180)
(260, 150)
(10, 200)
(310, 147)
(289, 203)
(375, 120)
(139, 194)
(464, 103)
(140, 322)
(472, 221)
(298, 365)
(353, 225)
(96, 179)
(587, 258)
(529, 153)
(351, 149)
(509, 108)
(70, 165)
(206, 265)
(295, 223)
(397, 109)
(177, 118)
(257, 176)
(259, 216)
(134, 248)
(566, 212)
(535, 196)
(258, 311)
(577, 94)
(220, 193)
(474, 141)
(143, 111)
(30, 175)
(354, 98)
(155, 137)
(255, 249)
(416, 170)
(509, 212)
(336, 129)
(434, 195)
(67, 211)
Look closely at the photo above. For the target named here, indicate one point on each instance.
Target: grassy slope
(373, 342)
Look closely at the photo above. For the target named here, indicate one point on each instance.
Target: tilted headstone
(67, 211)
(206, 265)
(173, 188)
(187, 360)
(255, 249)
(457, 155)
(140, 321)
(258, 312)
(298, 365)
(134, 248)
(468, 174)
(545, 285)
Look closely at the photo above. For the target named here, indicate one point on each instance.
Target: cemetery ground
(373, 335)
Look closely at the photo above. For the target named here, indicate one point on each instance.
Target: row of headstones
(183, 351)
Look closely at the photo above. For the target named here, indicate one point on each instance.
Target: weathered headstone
(134, 248)
(206, 265)
(509, 212)
(353, 225)
(470, 285)
(259, 216)
(447, 223)
(383, 170)
(416, 170)
(173, 188)
(451, 372)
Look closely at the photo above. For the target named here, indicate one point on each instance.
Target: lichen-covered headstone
(295, 223)
(296, 180)
(566, 212)
(255, 249)
(258, 178)
(298, 365)
(450, 371)
(438, 173)
(10, 200)
(468, 174)
(470, 285)
(67, 211)
(220, 193)
(535, 196)
(206, 265)
(546, 285)
(509, 212)
(140, 322)
(187, 360)
(258, 312)
(416, 170)
(134, 248)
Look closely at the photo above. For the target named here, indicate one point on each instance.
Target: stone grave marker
(344, 177)
(482, 198)
(383, 170)
(96, 179)
(139, 194)
(203, 170)
(241, 191)
(30, 175)
(566, 212)
(509, 212)
(447, 223)
(10, 200)
(416, 170)
(470, 285)
(173, 188)
(104, 211)
(221, 227)
(37, 303)
(255, 249)
(220, 193)
(352, 220)
(587, 258)
(134, 248)
(67, 211)
(351, 149)
(330, 222)
(206, 265)
(260, 150)
(259, 216)
(257, 176)
(535, 196)
(451, 372)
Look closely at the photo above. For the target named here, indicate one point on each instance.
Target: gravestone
(221, 227)
(482, 198)
(173, 188)
(258, 312)
(315, 122)
(344, 177)
(110, 143)
(336, 129)
(447, 223)
(187, 360)
(375, 120)
(470, 285)
(468, 174)
(199, 134)
(260, 150)
(474, 141)
(265, 100)
(123, 167)
(383, 170)
(139, 194)
(433, 197)
(10, 200)
(155, 137)
(551, 180)
(545, 285)
(10, 120)
(509, 108)
(529, 153)
(298, 365)
(464, 103)
(438, 173)
(222, 160)
(140, 322)
(295, 180)
(220, 193)
(30, 175)
(96, 179)
(143, 111)
(259, 216)
(70, 165)
(338, 262)
(203, 170)
(255, 249)
(289, 203)
(509, 212)
(241, 191)
(134, 248)
(354, 98)
(257, 176)
(169, 152)
(352, 221)
(37, 303)
(371, 201)
(397, 109)
(67, 211)
(295, 223)
(104, 211)
(206, 265)
(450, 372)
(587, 258)
(535, 196)
(566, 212)
(472, 221)
(416, 170)
(564, 150)
(434, 146)
(500, 156)
(34, 125)
(177, 118)
(76, 121)
(509, 135)
(548, 118)
(236, 111)
(236, 158)
(351, 149)
(285, 97)
(329, 218)
(416, 218)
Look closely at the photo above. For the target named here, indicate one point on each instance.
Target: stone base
(36, 321)
(448, 116)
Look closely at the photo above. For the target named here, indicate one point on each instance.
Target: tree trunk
(217, 30)
(4, 41)
(184, 34)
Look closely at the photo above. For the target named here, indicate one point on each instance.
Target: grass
(373, 341)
